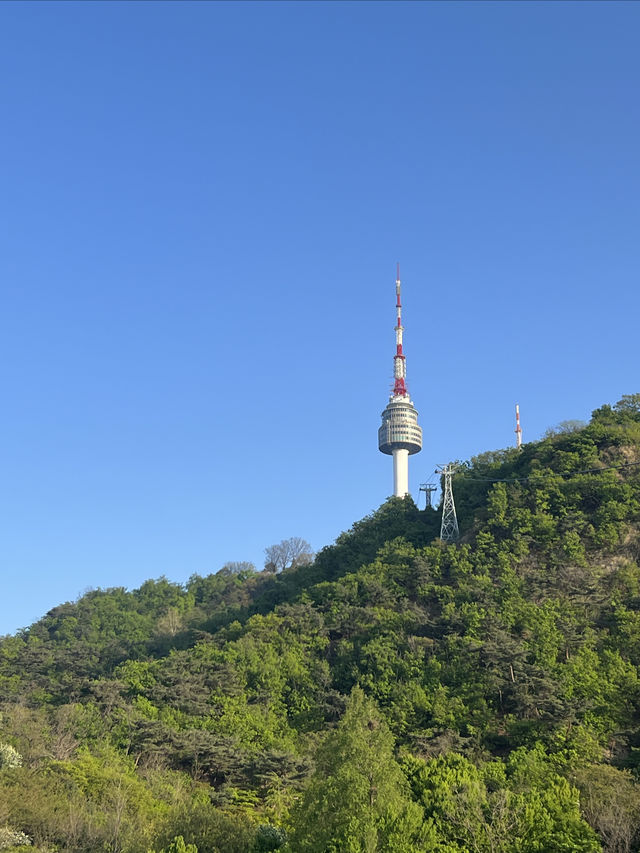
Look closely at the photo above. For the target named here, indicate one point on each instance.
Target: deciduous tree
(288, 554)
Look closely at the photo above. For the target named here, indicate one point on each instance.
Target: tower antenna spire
(399, 365)
(518, 427)
(400, 436)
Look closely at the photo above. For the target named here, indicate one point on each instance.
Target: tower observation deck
(399, 435)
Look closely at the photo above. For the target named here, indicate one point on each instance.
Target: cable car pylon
(449, 531)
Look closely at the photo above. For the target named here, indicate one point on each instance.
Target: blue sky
(202, 208)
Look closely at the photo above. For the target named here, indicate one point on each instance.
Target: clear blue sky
(202, 208)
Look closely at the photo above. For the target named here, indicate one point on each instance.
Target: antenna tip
(397, 272)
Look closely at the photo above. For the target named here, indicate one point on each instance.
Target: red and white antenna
(518, 427)
(399, 366)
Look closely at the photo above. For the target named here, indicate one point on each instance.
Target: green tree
(178, 846)
(358, 799)
(628, 403)
(268, 838)
(492, 808)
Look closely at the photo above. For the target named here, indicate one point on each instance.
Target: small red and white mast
(518, 427)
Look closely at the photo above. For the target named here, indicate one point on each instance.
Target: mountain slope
(517, 645)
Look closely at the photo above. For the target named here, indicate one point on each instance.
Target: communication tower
(518, 427)
(400, 436)
(449, 527)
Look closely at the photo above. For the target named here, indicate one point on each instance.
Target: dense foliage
(394, 694)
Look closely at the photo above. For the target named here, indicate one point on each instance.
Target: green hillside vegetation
(396, 694)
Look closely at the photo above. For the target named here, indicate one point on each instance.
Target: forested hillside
(396, 694)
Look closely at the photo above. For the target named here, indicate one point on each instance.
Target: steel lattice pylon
(428, 489)
(449, 527)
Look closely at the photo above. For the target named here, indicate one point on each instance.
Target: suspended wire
(570, 474)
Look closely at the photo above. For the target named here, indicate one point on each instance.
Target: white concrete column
(400, 472)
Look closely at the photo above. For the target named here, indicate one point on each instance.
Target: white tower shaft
(400, 472)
